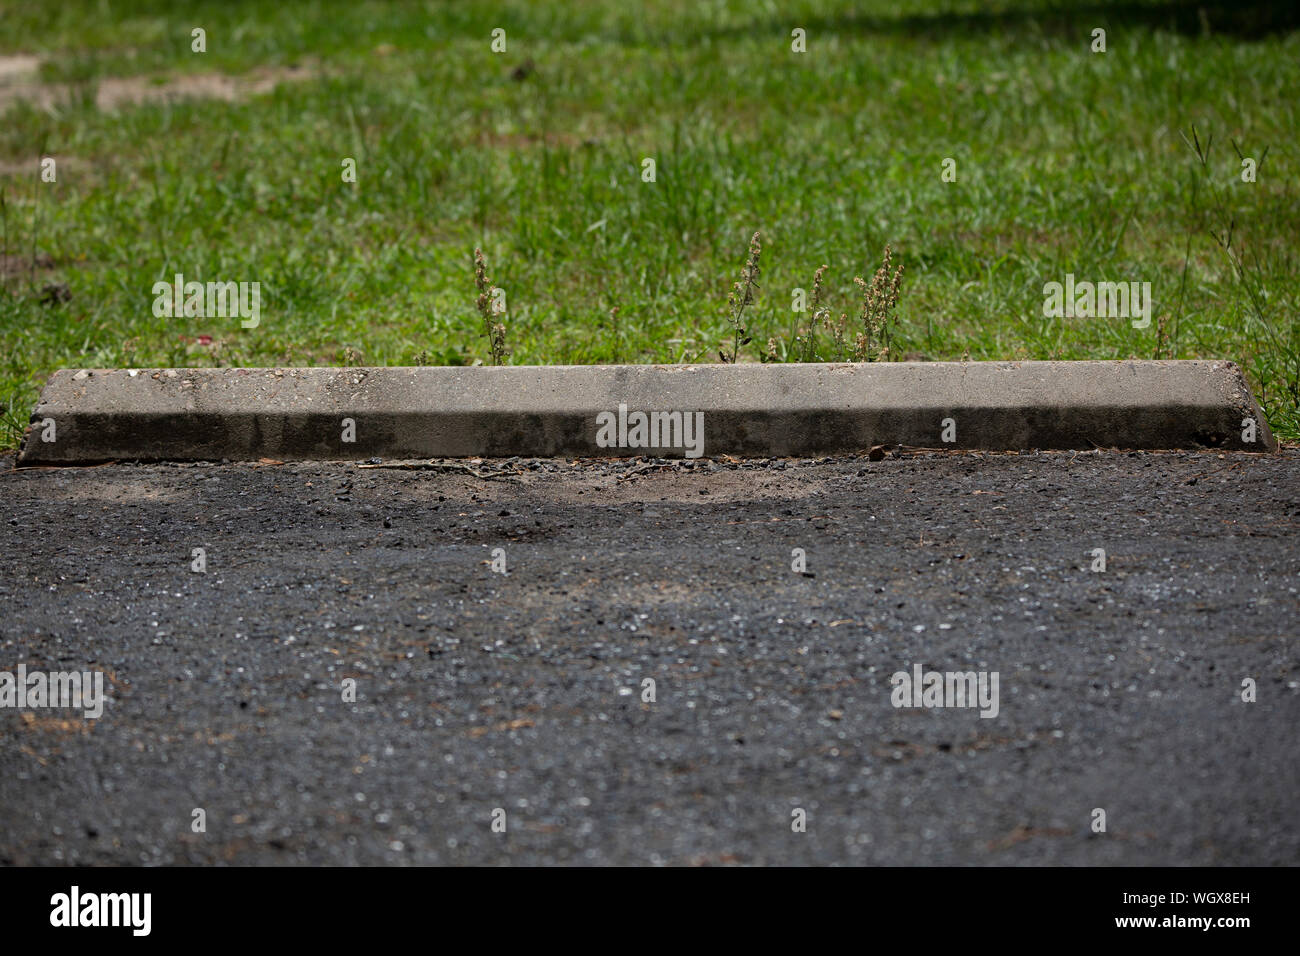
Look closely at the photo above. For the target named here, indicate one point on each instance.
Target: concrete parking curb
(92, 415)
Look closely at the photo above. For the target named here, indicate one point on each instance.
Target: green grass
(1067, 161)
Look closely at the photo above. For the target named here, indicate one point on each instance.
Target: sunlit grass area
(227, 165)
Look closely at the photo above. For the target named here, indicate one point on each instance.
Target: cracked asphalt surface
(1119, 690)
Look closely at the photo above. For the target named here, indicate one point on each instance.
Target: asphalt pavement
(518, 701)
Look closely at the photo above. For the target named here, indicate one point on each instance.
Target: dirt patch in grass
(19, 83)
(14, 66)
(15, 264)
(31, 166)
